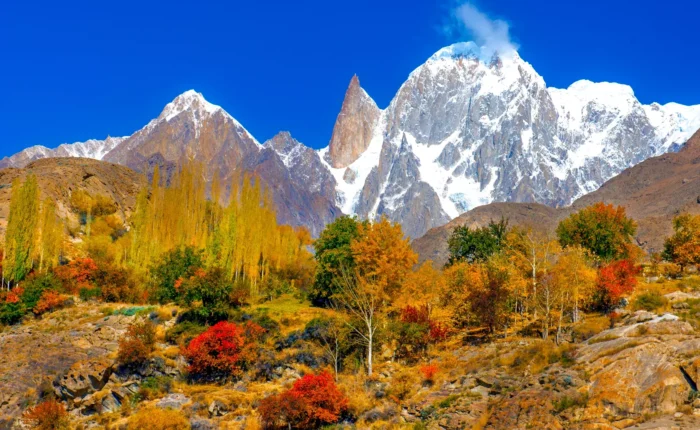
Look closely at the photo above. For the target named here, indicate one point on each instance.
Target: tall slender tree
(21, 233)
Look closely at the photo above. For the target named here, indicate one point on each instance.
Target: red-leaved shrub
(222, 350)
(77, 274)
(49, 415)
(429, 371)
(616, 280)
(312, 402)
(48, 301)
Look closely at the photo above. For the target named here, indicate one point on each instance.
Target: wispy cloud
(492, 34)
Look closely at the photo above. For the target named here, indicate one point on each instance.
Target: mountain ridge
(465, 129)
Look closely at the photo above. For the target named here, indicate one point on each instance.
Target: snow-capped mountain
(92, 148)
(465, 130)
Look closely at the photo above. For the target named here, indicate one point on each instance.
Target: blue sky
(79, 70)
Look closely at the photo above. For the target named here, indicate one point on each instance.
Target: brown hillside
(653, 192)
(58, 177)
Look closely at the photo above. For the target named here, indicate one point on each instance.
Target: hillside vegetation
(196, 309)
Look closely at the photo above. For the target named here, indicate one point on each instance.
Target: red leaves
(48, 301)
(313, 401)
(421, 315)
(222, 349)
(77, 274)
(429, 371)
(616, 280)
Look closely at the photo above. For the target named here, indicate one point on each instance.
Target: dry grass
(292, 313)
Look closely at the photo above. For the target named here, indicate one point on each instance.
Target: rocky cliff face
(465, 130)
(354, 127)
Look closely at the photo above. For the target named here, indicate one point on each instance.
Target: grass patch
(447, 401)
(649, 301)
(606, 338)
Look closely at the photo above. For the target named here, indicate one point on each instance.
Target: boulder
(217, 408)
(173, 401)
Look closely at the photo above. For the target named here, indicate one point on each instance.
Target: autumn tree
(51, 236)
(533, 252)
(476, 245)
(604, 230)
(333, 253)
(576, 276)
(383, 257)
(615, 280)
(683, 247)
(22, 230)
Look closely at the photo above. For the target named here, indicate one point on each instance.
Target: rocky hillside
(59, 177)
(95, 149)
(652, 192)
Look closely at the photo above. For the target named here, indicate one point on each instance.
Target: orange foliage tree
(312, 402)
(383, 258)
(614, 281)
(683, 247)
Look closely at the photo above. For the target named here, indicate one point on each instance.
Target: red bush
(77, 274)
(49, 415)
(421, 315)
(48, 301)
(429, 371)
(312, 402)
(221, 350)
(615, 280)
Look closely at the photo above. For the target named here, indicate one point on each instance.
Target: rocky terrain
(464, 130)
(59, 177)
(652, 192)
(640, 374)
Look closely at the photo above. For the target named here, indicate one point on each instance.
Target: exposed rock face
(652, 192)
(59, 177)
(354, 127)
(488, 129)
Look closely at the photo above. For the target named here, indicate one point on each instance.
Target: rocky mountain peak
(190, 100)
(354, 127)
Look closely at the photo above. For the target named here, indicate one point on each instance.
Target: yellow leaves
(383, 257)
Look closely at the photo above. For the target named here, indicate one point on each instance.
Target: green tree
(333, 254)
(477, 245)
(604, 230)
(175, 266)
(21, 233)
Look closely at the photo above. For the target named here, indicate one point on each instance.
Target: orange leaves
(77, 274)
(48, 301)
(48, 415)
(683, 247)
(429, 371)
(138, 343)
(615, 280)
(312, 402)
(383, 256)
